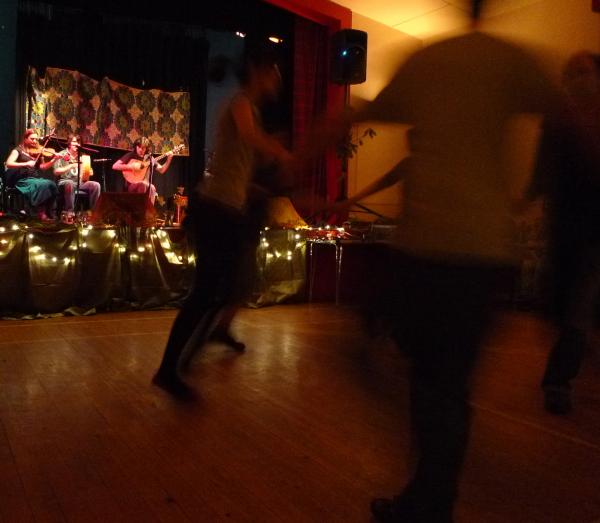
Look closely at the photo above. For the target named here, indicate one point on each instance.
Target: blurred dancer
(224, 234)
(568, 174)
(454, 239)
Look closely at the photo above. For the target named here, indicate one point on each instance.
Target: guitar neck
(159, 158)
(164, 155)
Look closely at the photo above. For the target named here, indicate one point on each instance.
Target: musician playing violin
(65, 169)
(24, 167)
(135, 161)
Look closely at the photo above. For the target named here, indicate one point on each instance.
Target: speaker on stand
(348, 66)
(349, 57)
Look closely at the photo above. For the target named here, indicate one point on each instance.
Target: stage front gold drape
(81, 269)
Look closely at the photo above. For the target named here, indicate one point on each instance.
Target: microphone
(88, 149)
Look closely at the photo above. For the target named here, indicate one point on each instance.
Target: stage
(81, 269)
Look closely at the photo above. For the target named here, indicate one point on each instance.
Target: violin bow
(46, 140)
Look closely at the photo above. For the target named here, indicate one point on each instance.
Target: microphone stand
(103, 162)
(150, 178)
(76, 198)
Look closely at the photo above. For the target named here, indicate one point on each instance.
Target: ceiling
(427, 18)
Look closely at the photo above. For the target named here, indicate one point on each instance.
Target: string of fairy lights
(272, 246)
(270, 251)
(66, 254)
(299, 237)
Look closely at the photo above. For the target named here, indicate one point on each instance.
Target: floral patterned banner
(105, 112)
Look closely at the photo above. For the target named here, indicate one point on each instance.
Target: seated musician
(24, 167)
(136, 166)
(65, 169)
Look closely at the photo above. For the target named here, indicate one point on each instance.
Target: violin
(40, 150)
(45, 152)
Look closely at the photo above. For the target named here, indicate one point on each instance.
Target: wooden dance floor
(307, 426)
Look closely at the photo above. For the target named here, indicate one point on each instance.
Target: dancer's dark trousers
(224, 245)
(441, 311)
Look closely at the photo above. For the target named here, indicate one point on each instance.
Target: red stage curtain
(310, 100)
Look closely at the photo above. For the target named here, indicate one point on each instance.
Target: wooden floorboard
(306, 426)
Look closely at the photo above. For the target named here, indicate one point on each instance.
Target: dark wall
(8, 38)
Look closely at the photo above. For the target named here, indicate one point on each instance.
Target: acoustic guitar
(139, 168)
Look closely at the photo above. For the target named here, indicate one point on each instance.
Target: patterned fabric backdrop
(106, 112)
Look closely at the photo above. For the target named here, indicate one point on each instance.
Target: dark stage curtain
(146, 54)
(8, 42)
(310, 98)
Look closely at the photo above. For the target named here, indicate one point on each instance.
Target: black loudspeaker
(349, 57)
